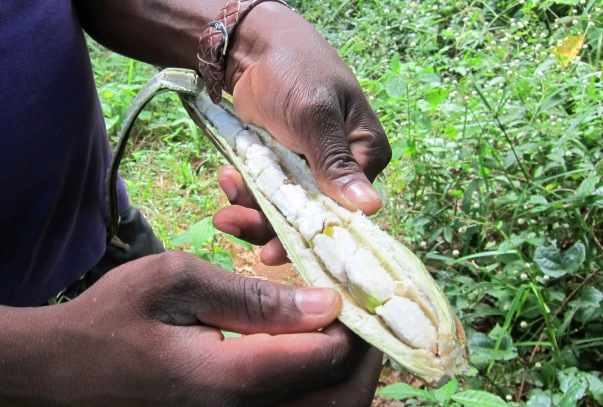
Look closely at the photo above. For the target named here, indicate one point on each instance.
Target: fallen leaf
(569, 49)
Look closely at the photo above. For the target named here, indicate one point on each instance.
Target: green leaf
(483, 348)
(589, 185)
(574, 393)
(444, 393)
(555, 264)
(421, 119)
(402, 391)
(595, 387)
(538, 398)
(221, 259)
(240, 242)
(395, 86)
(395, 65)
(202, 232)
(478, 398)
(436, 96)
(591, 297)
(399, 148)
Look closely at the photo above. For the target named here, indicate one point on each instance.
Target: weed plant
(494, 113)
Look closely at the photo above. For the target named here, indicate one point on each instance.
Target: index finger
(267, 369)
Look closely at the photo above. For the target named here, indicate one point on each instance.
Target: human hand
(287, 79)
(148, 333)
(244, 218)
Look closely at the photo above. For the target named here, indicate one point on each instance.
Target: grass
(494, 115)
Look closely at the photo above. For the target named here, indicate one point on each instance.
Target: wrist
(230, 43)
(32, 356)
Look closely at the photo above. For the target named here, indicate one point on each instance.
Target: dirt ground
(247, 263)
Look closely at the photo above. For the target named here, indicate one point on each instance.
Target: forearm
(166, 32)
(32, 358)
(155, 31)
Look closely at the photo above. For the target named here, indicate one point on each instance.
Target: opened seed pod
(389, 297)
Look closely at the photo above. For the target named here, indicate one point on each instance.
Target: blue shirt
(54, 153)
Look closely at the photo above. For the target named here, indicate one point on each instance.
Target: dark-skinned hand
(149, 333)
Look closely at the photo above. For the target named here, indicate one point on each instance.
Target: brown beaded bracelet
(213, 44)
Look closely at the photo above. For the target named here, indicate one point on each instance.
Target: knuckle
(318, 103)
(380, 154)
(260, 299)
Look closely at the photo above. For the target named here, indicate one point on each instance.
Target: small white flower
(509, 397)
(523, 324)
(521, 221)
(546, 278)
(523, 276)
(423, 244)
(537, 365)
(591, 24)
(455, 253)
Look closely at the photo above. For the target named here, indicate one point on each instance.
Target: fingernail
(315, 301)
(361, 192)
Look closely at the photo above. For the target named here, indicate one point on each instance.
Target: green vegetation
(495, 118)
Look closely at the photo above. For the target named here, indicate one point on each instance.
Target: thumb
(336, 160)
(203, 293)
(347, 148)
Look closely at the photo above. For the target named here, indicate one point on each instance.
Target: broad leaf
(402, 391)
(573, 394)
(538, 398)
(445, 393)
(395, 86)
(478, 398)
(555, 264)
